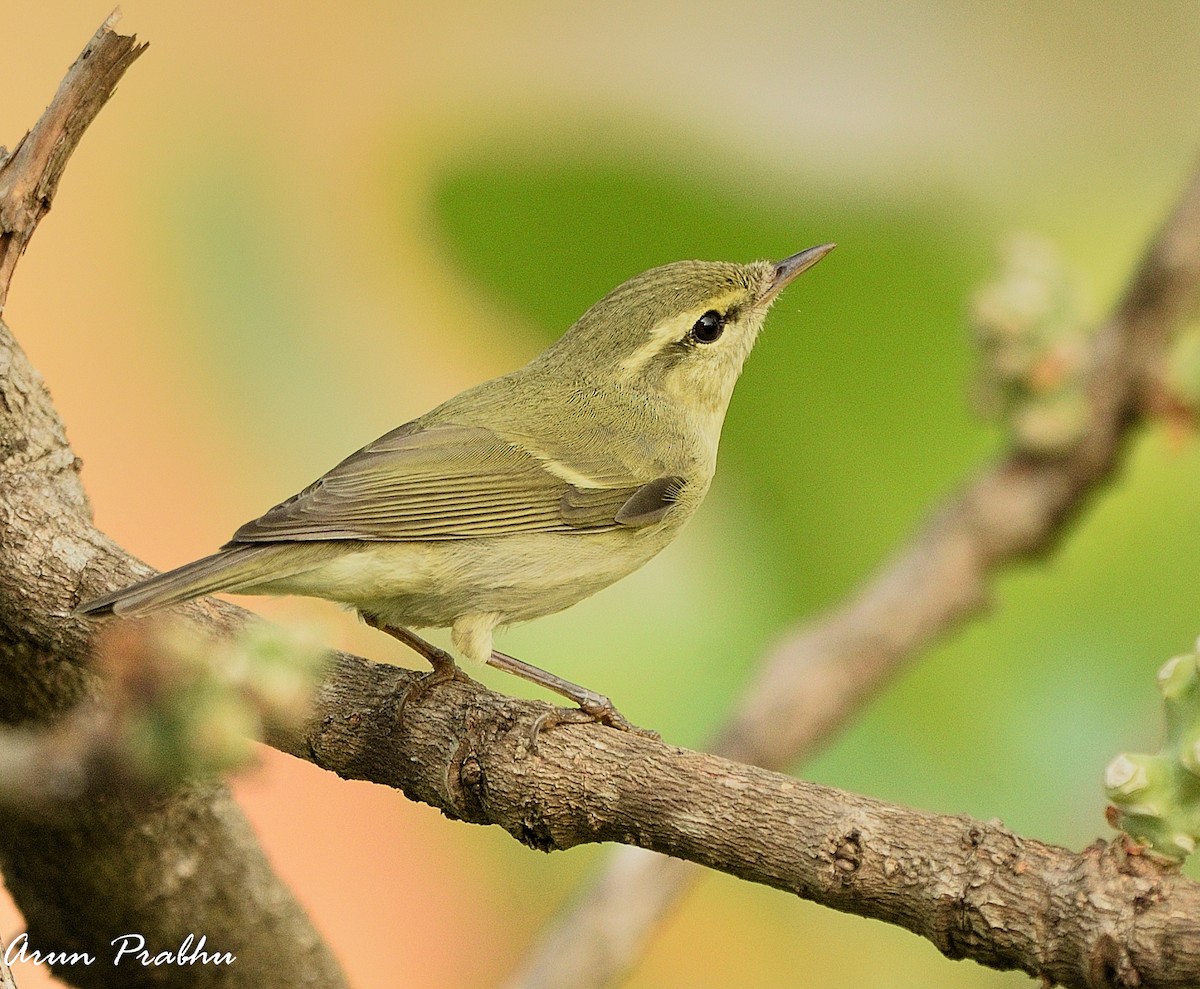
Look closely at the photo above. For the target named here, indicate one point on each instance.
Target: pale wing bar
(452, 482)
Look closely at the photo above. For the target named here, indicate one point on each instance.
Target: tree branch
(29, 177)
(6, 977)
(975, 890)
(811, 685)
(107, 865)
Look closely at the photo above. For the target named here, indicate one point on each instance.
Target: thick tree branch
(811, 685)
(974, 889)
(106, 865)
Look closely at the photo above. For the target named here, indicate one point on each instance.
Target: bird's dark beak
(789, 268)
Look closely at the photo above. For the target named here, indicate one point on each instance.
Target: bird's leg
(444, 667)
(593, 707)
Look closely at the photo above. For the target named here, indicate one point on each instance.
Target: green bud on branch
(1029, 325)
(1156, 798)
(187, 705)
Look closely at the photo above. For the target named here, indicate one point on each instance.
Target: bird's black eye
(708, 328)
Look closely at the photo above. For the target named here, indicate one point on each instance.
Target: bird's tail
(232, 569)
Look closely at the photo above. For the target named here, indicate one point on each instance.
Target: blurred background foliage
(293, 230)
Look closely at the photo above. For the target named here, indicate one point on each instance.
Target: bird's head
(684, 329)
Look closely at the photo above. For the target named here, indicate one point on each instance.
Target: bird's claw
(446, 672)
(596, 709)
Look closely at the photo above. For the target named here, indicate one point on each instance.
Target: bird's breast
(519, 577)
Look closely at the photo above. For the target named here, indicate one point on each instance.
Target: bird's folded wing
(459, 482)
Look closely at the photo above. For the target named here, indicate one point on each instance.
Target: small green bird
(522, 495)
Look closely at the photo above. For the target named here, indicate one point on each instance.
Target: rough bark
(974, 889)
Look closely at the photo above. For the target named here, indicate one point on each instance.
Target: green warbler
(522, 495)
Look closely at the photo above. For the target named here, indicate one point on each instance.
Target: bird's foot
(444, 669)
(593, 709)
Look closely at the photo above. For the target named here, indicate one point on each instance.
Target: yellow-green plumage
(524, 494)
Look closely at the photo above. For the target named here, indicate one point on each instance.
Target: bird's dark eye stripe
(708, 328)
